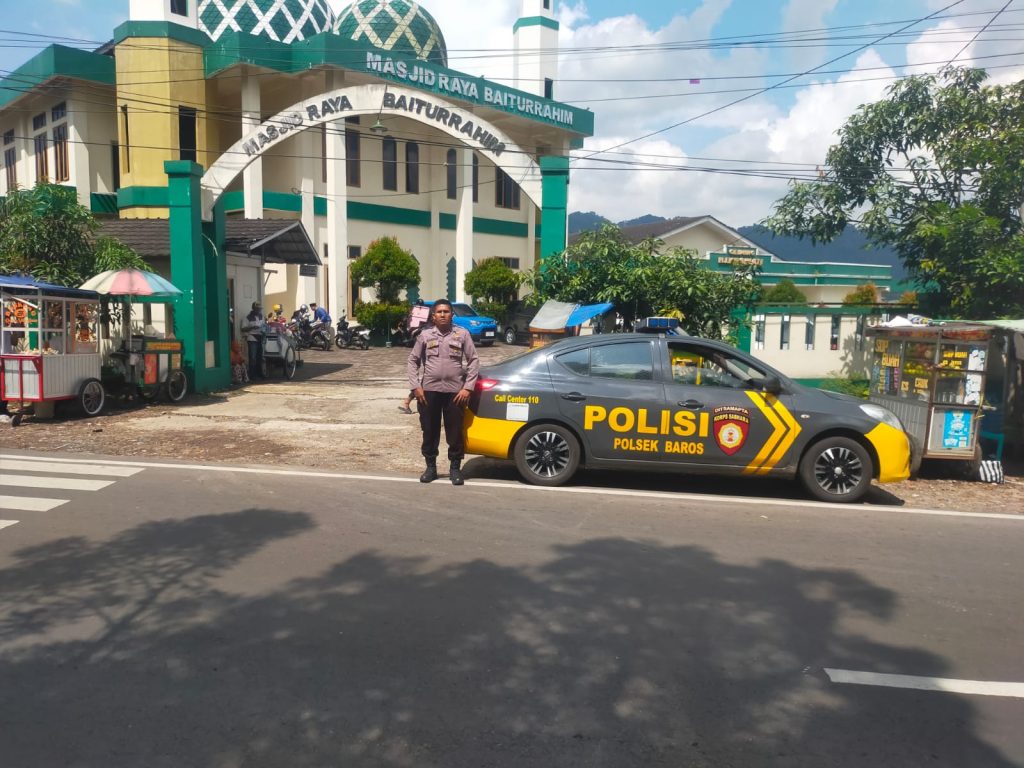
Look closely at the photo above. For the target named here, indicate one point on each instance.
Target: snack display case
(49, 344)
(933, 378)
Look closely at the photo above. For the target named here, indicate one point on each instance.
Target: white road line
(63, 467)
(659, 495)
(64, 483)
(6, 523)
(944, 684)
(30, 504)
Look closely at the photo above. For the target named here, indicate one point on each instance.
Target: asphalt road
(156, 615)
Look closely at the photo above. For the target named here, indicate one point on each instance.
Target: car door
(724, 419)
(612, 395)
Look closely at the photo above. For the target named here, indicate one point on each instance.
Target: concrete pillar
(464, 222)
(309, 165)
(78, 153)
(555, 197)
(337, 212)
(202, 281)
(252, 176)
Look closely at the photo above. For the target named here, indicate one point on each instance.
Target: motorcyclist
(300, 314)
(276, 314)
(320, 314)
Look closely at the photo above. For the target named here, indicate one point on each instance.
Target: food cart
(933, 377)
(280, 347)
(49, 344)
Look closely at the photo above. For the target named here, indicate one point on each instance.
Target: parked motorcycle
(310, 335)
(346, 336)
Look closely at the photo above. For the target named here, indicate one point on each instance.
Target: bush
(847, 386)
(387, 268)
(379, 316)
(494, 309)
(785, 292)
(494, 281)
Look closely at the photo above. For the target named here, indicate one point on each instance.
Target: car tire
(510, 335)
(837, 469)
(547, 454)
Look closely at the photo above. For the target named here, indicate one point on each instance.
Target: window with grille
(412, 168)
(61, 167)
(476, 178)
(11, 168)
(506, 191)
(42, 161)
(39, 121)
(187, 133)
(390, 165)
(450, 175)
(833, 336)
(784, 332)
(59, 112)
(352, 149)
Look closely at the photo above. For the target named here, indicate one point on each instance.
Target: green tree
(492, 279)
(387, 268)
(785, 292)
(935, 170)
(640, 281)
(111, 253)
(46, 233)
(862, 294)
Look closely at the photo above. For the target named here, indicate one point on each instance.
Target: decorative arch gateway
(196, 235)
(459, 123)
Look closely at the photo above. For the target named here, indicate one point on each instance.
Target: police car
(678, 403)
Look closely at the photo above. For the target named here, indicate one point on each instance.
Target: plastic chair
(992, 429)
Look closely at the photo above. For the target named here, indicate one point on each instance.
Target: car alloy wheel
(510, 335)
(547, 454)
(837, 469)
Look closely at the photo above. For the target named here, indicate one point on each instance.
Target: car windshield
(464, 310)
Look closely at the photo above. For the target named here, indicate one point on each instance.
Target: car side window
(623, 361)
(577, 361)
(702, 367)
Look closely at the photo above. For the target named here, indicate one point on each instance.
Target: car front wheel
(547, 454)
(837, 469)
(510, 335)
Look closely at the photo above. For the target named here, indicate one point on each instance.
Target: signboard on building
(308, 270)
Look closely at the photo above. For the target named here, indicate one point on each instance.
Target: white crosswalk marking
(30, 503)
(66, 468)
(44, 473)
(65, 483)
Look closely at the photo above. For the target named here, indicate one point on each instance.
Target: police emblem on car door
(736, 424)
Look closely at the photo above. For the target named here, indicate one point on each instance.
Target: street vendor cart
(933, 377)
(49, 344)
(144, 365)
(281, 348)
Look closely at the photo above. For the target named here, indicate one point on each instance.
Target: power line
(978, 33)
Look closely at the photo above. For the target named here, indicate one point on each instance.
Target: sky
(700, 106)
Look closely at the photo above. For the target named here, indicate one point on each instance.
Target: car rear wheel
(837, 469)
(547, 455)
(510, 335)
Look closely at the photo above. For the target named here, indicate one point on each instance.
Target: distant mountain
(646, 219)
(585, 222)
(851, 246)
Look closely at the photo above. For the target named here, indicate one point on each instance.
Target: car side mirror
(771, 385)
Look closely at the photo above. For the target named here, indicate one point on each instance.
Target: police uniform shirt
(441, 355)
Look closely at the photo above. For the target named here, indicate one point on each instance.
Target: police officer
(442, 387)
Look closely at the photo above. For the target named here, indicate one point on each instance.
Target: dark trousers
(441, 404)
(255, 353)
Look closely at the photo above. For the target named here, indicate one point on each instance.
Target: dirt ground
(341, 413)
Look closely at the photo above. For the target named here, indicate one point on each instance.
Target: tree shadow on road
(611, 652)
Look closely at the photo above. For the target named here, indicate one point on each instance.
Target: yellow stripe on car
(893, 449)
(489, 437)
(784, 432)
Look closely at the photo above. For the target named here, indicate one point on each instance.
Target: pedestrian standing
(253, 330)
(443, 368)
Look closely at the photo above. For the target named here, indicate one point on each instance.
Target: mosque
(297, 137)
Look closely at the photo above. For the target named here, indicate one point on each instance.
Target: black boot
(455, 473)
(430, 473)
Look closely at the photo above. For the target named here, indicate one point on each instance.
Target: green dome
(285, 21)
(401, 26)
